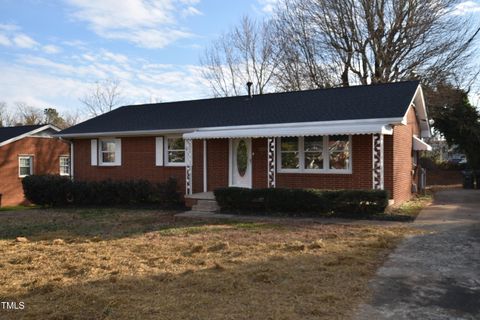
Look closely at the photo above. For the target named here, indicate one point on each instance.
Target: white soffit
(290, 131)
(420, 145)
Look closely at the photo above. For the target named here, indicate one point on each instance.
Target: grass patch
(18, 208)
(413, 207)
(147, 265)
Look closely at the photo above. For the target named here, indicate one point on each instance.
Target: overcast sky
(52, 51)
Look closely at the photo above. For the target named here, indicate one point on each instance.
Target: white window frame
(118, 152)
(165, 150)
(64, 166)
(30, 158)
(326, 158)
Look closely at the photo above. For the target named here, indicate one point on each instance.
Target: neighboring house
(27, 150)
(361, 137)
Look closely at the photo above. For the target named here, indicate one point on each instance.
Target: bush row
(51, 190)
(302, 201)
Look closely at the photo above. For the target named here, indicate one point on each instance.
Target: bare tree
(28, 115)
(104, 97)
(371, 41)
(3, 114)
(243, 54)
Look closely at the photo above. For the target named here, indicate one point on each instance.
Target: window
(109, 152)
(25, 166)
(175, 151)
(339, 150)
(313, 147)
(289, 153)
(64, 165)
(322, 154)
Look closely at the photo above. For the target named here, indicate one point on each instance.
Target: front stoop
(206, 206)
(202, 202)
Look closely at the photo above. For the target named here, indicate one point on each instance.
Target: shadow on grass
(105, 223)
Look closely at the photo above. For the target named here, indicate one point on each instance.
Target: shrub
(302, 201)
(49, 190)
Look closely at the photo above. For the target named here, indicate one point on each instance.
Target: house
(361, 137)
(27, 150)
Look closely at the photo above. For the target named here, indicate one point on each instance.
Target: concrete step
(206, 206)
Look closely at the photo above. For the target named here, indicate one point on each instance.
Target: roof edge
(26, 134)
(380, 121)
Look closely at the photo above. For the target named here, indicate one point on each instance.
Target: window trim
(30, 157)
(166, 161)
(60, 165)
(118, 152)
(326, 158)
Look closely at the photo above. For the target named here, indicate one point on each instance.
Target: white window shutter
(118, 152)
(94, 152)
(159, 151)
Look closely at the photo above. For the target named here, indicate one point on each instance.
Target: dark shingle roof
(7, 133)
(347, 103)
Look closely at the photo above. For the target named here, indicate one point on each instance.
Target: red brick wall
(138, 162)
(398, 159)
(360, 178)
(260, 163)
(217, 163)
(46, 153)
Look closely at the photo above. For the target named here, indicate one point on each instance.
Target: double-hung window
(110, 152)
(25, 166)
(339, 150)
(175, 151)
(64, 165)
(289, 149)
(315, 154)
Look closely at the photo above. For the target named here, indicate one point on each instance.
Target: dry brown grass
(115, 264)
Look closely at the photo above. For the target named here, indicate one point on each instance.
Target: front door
(241, 163)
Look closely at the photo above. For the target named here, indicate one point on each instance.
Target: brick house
(27, 150)
(359, 137)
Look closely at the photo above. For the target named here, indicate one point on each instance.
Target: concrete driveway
(435, 275)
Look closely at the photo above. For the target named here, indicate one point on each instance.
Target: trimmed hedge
(300, 202)
(51, 190)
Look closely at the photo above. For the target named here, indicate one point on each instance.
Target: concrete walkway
(435, 275)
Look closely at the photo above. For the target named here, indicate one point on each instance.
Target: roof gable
(347, 103)
(11, 134)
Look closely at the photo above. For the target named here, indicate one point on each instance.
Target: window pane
(313, 160)
(24, 171)
(313, 144)
(338, 143)
(339, 147)
(108, 146)
(24, 162)
(290, 160)
(176, 144)
(289, 144)
(108, 157)
(64, 161)
(176, 156)
(339, 160)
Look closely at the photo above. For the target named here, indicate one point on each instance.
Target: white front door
(241, 163)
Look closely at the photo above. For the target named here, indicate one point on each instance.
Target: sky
(53, 51)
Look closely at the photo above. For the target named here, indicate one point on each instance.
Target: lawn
(144, 264)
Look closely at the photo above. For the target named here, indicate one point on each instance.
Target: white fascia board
(420, 145)
(42, 128)
(377, 121)
(290, 131)
(421, 111)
